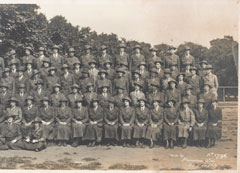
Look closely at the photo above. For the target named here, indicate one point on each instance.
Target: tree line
(23, 25)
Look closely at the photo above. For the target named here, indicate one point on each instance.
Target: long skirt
(199, 133)
(153, 133)
(111, 131)
(169, 132)
(34, 146)
(139, 132)
(183, 130)
(78, 130)
(214, 132)
(63, 132)
(94, 133)
(126, 132)
(49, 132)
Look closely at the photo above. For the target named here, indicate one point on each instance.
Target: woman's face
(63, 104)
(71, 54)
(137, 88)
(75, 90)
(27, 52)
(12, 103)
(90, 88)
(52, 72)
(154, 53)
(107, 65)
(170, 103)
(155, 104)
(188, 91)
(120, 91)
(200, 105)
(137, 50)
(55, 50)
(193, 72)
(77, 66)
(29, 102)
(95, 103)
(142, 103)
(57, 89)
(206, 88)
(120, 74)
(29, 66)
(46, 64)
(136, 75)
(6, 74)
(180, 77)
(45, 103)
(104, 89)
(158, 65)
(13, 66)
(172, 85)
(126, 103)
(20, 73)
(185, 105)
(214, 104)
(36, 125)
(92, 65)
(79, 104)
(103, 75)
(41, 52)
(141, 67)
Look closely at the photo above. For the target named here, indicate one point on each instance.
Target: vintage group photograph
(119, 85)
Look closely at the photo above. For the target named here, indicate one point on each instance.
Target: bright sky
(152, 21)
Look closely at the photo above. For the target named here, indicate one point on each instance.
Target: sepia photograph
(140, 85)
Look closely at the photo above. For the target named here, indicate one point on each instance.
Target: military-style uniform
(63, 131)
(141, 118)
(79, 115)
(88, 96)
(194, 81)
(200, 127)
(172, 59)
(173, 94)
(72, 99)
(154, 130)
(111, 118)
(47, 116)
(170, 131)
(66, 81)
(16, 112)
(135, 95)
(38, 95)
(122, 58)
(55, 98)
(135, 61)
(85, 60)
(127, 115)
(94, 132)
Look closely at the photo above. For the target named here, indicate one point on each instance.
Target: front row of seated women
(128, 125)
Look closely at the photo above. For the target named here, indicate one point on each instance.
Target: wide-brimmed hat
(126, 98)
(45, 99)
(35, 72)
(142, 63)
(185, 100)
(142, 99)
(181, 73)
(89, 84)
(167, 71)
(10, 116)
(187, 48)
(28, 48)
(102, 71)
(13, 62)
(12, 52)
(65, 66)
(201, 101)
(55, 47)
(71, 49)
(95, 99)
(203, 62)
(137, 47)
(171, 47)
(57, 85)
(79, 100)
(153, 49)
(174, 81)
(85, 70)
(138, 84)
(155, 83)
(92, 61)
(156, 99)
(39, 81)
(158, 61)
(28, 62)
(41, 49)
(120, 87)
(13, 99)
(103, 47)
(111, 100)
(76, 61)
(75, 86)
(124, 63)
(137, 72)
(153, 70)
(29, 98)
(104, 86)
(52, 69)
(87, 47)
(46, 59)
(193, 68)
(122, 45)
(120, 70)
(172, 100)
(107, 62)
(209, 66)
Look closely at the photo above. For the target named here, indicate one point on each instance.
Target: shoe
(93, 144)
(37, 150)
(64, 144)
(124, 144)
(167, 145)
(89, 144)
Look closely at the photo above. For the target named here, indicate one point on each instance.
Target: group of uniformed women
(113, 100)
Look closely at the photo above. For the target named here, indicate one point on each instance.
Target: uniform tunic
(170, 131)
(199, 132)
(83, 83)
(29, 114)
(194, 81)
(66, 82)
(214, 117)
(104, 100)
(88, 96)
(51, 81)
(38, 95)
(35, 134)
(172, 59)
(192, 99)
(135, 60)
(85, 60)
(186, 119)
(94, 132)
(122, 59)
(120, 82)
(187, 60)
(9, 133)
(48, 115)
(10, 82)
(102, 59)
(55, 98)
(21, 97)
(78, 130)
(212, 80)
(154, 130)
(4, 97)
(156, 94)
(103, 82)
(111, 116)
(17, 112)
(23, 80)
(63, 132)
(135, 96)
(173, 94)
(142, 117)
(72, 98)
(207, 97)
(127, 115)
(57, 62)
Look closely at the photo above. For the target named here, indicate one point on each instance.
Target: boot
(167, 144)
(171, 144)
(137, 143)
(124, 144)
(93, 144)
(212, 142)
(64, 143)
(151, 143)
(75, 142)
(209, 143)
